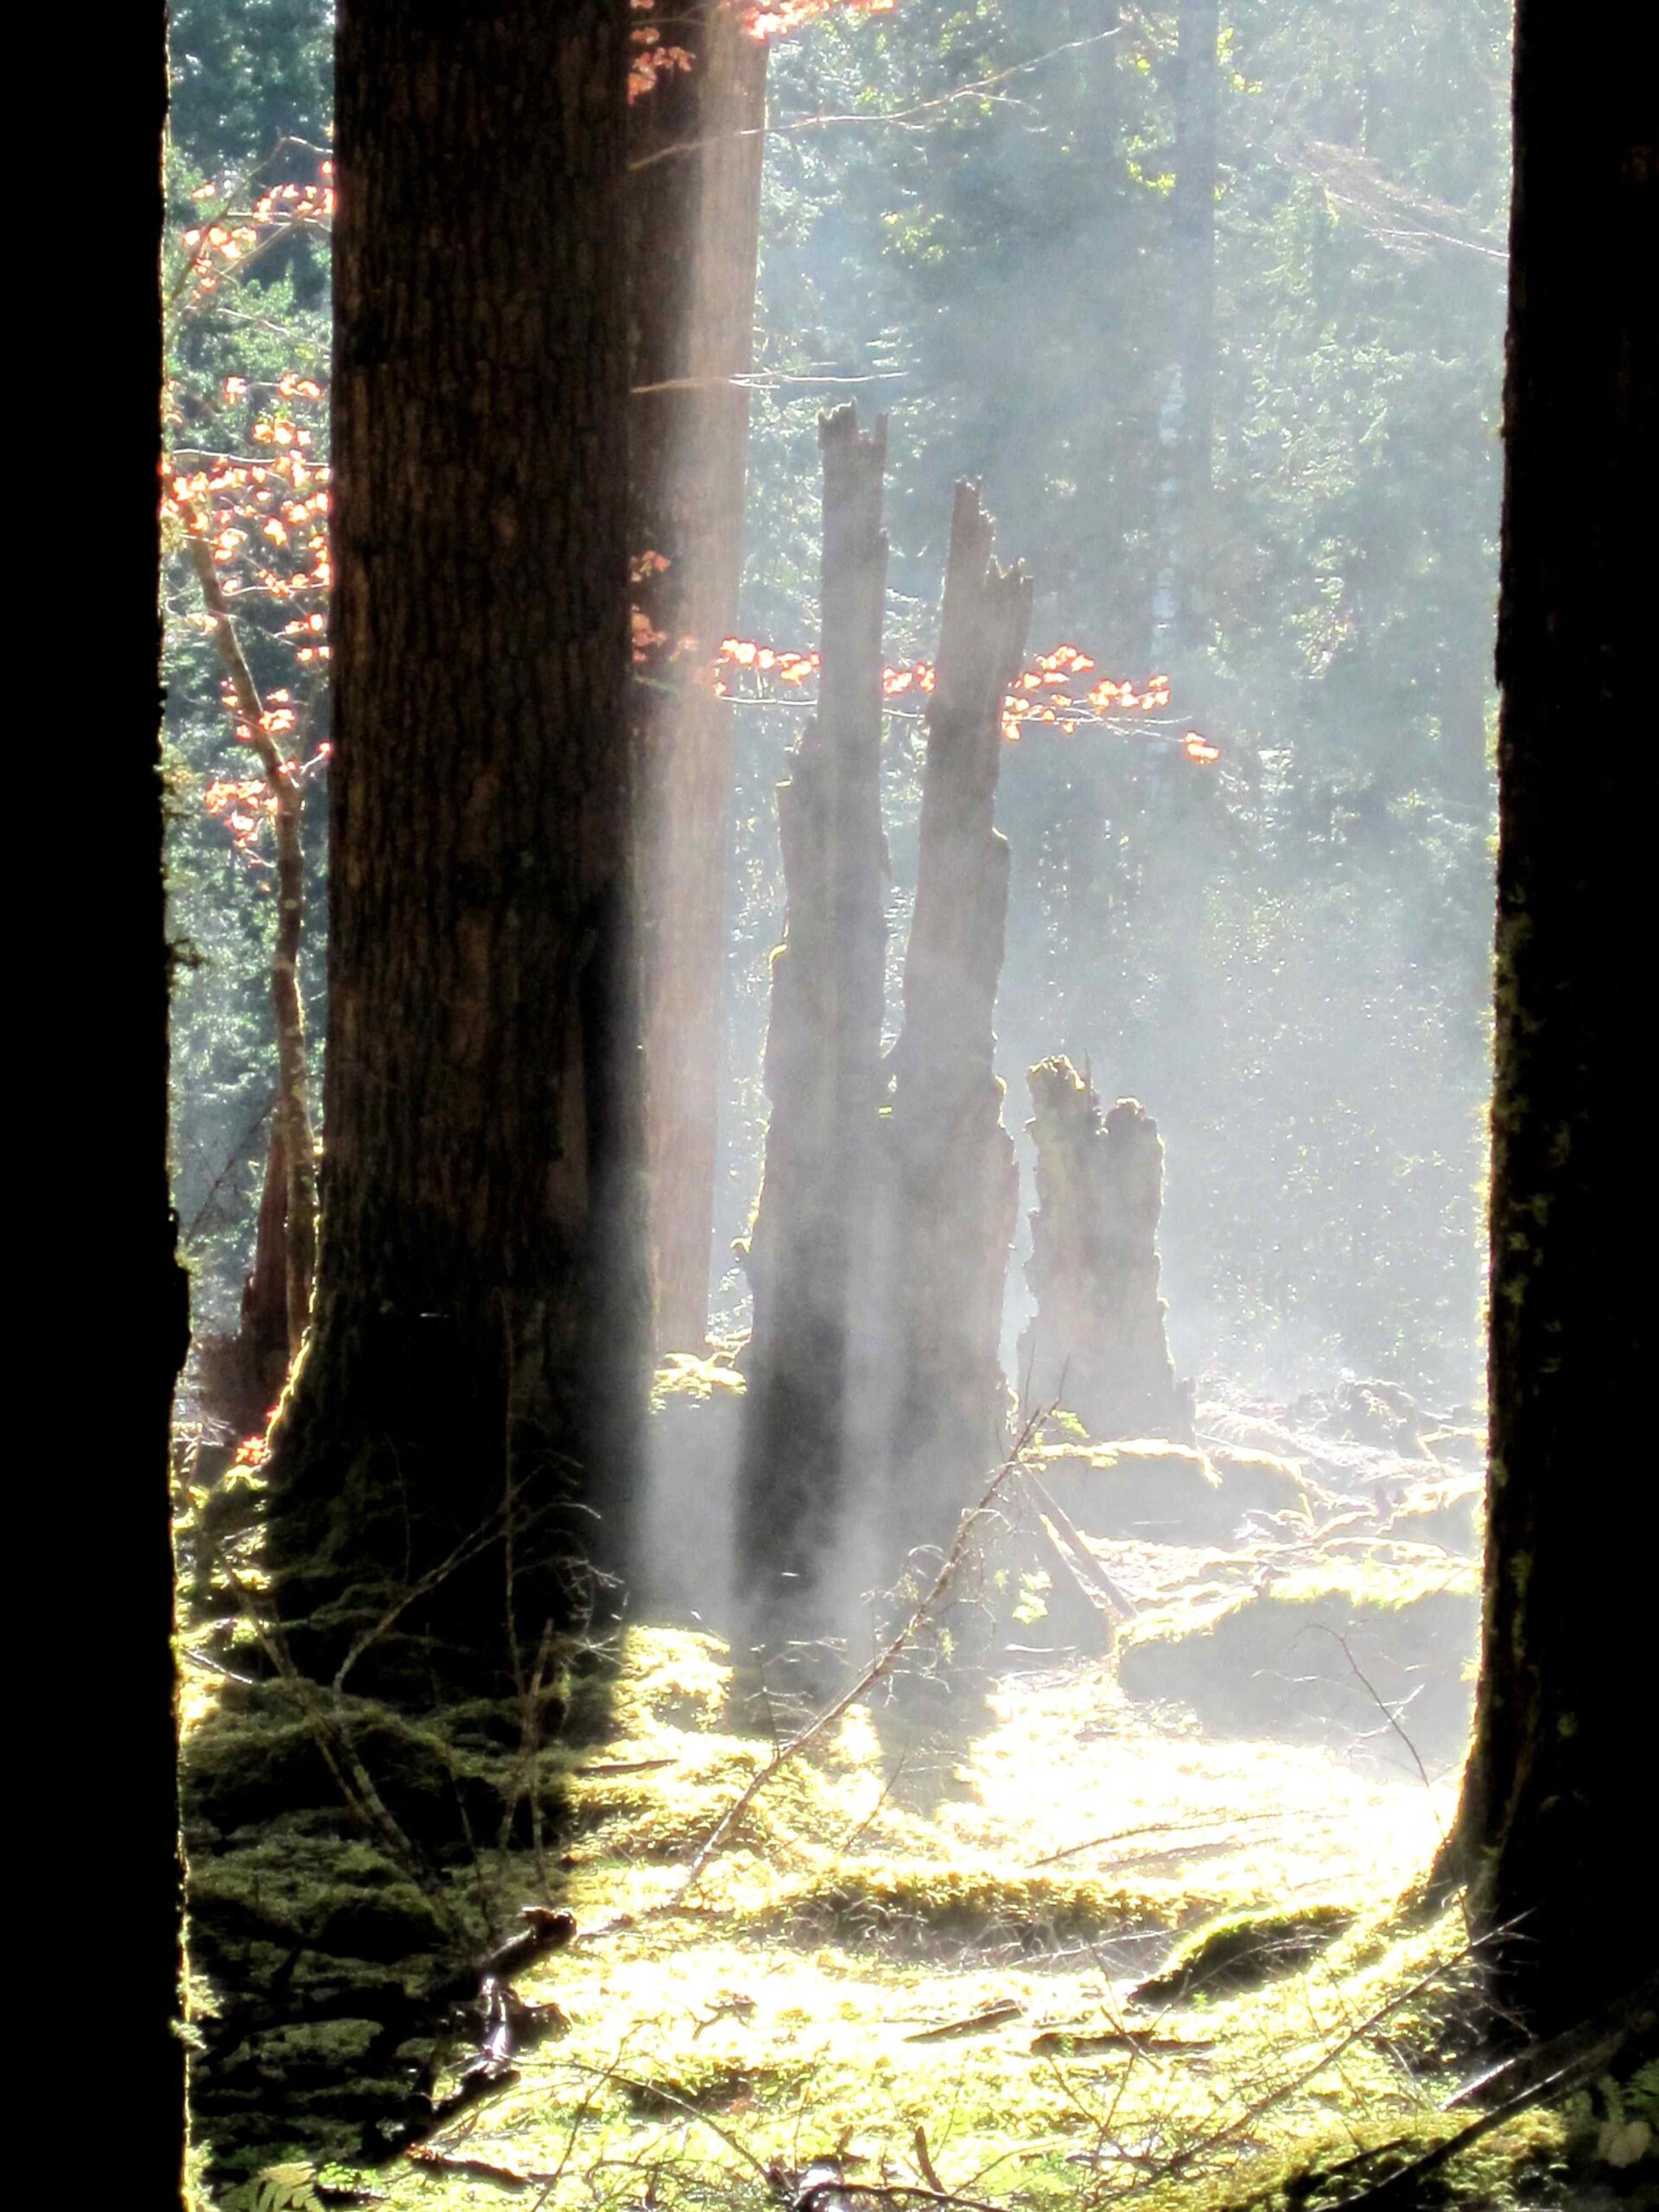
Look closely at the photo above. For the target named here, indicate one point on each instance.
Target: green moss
(1240, 1950)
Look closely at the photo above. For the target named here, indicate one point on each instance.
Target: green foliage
(274, 323)
(290, 2188)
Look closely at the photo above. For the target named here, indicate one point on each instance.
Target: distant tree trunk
(695, 194)
(1096, 1342)
(292, 1142)
(811, 1259)
(1556, 1823)
(1192, 277)
(955, 1186)
(472, 1385)
(241, 1376)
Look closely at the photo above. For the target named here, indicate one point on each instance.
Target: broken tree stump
(1097, 1343)
(809, 1256)
(950, 1163)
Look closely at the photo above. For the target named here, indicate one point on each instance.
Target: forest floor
(1053, 1942)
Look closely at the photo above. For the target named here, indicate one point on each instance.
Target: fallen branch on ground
(878, 1667)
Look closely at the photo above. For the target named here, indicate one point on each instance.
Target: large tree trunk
(695, 192)
(811, 1259)
(472, 1383)
(1556, 1823)
(955, 1187)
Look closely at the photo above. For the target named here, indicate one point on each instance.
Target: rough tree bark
(1096, 1341)
(695, 199)
(1556, 1821)
(955, 1186)
(473, 1383)
(809, 1257)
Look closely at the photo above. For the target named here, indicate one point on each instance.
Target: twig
(1280, 2091)
(1157, 1827)
(901, 117)
(878, 1667)
(1393, 1719)
(457, 2162)
(925, 2163)
(340, 1756)
(1084, 1566)
(897, 2192)
(994, 2016)
(625, 1766)
(680, 2104)
(888, 1788)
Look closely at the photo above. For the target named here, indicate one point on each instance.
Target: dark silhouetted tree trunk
(955, 1187)
(472, 1385)
(1556, 1824)
(811, 1259)
(695, 194)
(109, 1077)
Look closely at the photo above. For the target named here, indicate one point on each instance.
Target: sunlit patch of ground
(920, 1956)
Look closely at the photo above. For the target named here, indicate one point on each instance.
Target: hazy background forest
(1283, 954)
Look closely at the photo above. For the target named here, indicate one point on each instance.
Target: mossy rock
(1161, 1493)
(1158, 1492)
(1309, 1657)
(1262, 1482)
(1240, 1951)
(1449, 1510)
(915, 1909)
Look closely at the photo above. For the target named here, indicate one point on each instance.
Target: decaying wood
(809, 1256)
(1094, 1265)
(974, 2024)
(955, 1186)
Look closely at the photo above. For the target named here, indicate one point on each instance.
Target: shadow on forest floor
(1060, 1945)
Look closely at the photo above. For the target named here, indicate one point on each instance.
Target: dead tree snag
(1097, 1343)
(809, 1257)
(955, 1185)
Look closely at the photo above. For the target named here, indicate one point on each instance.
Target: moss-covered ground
(1127, 1918)
(921, 1953)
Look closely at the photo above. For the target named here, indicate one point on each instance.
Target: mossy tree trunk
(954, 1183)
(695, 213)
(1556, 1822)
(464, 1418)
(811, 1257)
